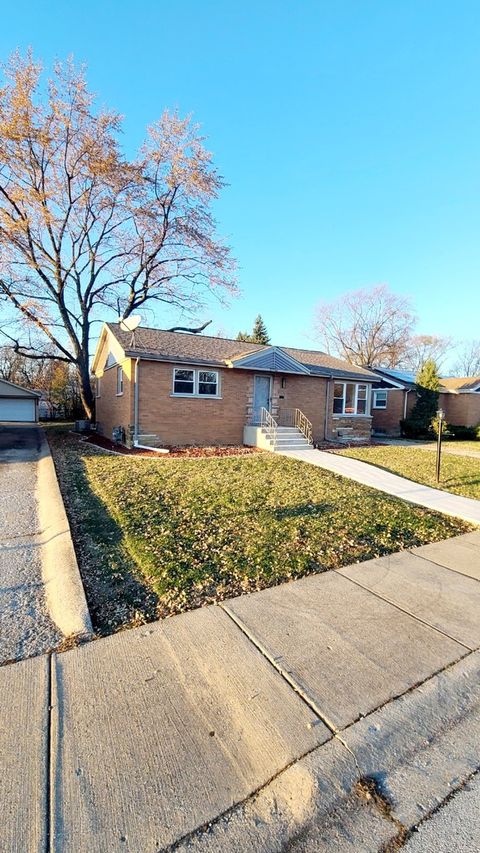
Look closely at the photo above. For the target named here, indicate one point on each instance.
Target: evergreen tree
(427, 386)
(258, 335)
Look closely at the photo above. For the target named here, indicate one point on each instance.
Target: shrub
(415, 428)
(426, 405)
(462, 433)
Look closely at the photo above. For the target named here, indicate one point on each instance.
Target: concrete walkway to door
(392, 484)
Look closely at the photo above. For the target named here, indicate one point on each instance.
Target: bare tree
(368, 327)
(423, 348)
(468, 363)
(83, 230)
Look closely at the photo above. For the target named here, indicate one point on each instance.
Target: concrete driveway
(25, 626)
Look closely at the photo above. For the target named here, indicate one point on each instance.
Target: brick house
(393, 398)
(172, 389)
(461, 400)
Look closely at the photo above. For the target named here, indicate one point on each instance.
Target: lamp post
(441, 418)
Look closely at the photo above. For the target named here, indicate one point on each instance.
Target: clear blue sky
(348, 131)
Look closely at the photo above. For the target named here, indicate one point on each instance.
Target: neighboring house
(17, 403)
(173, 388)
(461, 400)
(48, 411)
(394, 396)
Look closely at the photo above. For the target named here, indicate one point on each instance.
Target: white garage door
(17, 410)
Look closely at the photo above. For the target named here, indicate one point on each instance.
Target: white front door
(261, 396)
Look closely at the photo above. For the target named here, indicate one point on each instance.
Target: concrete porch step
(281, 448)
(294, 442)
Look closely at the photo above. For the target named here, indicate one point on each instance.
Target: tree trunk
(86, 392)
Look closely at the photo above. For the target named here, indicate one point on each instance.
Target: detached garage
(17, 403)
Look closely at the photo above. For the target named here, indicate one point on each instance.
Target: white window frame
(196, 383)
(356, 413)
(375, 400)
(119, 380)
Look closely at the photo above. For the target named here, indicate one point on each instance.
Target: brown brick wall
(388, 420)
(112, 411)
(461, 409)
(307, 393)
(184, 420)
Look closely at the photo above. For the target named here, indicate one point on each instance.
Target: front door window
(261, 396)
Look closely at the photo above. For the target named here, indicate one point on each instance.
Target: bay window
(350, 398)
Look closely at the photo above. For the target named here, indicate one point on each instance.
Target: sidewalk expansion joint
(453, 793)
(250, 798)
(48, 758)
(407, 612)
(448, 568)
(284, 673)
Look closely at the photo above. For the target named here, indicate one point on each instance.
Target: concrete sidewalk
(392, 484)
(257, 725)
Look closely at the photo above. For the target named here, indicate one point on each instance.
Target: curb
(64, 591)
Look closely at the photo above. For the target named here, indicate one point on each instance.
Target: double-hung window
(350, 398)
(207, 383)
(195, 383)
(119, 381)
(379, 399)
(183, 381)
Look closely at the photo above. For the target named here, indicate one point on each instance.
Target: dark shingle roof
(181, 346)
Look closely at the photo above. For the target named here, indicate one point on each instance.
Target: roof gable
(273, 359)
(11, 389)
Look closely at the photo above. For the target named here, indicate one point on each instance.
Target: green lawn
(459, 474)
(459, 445)
(204, 529)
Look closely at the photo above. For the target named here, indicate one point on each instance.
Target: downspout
(327, 406)
(135, 403)
(407, 392)
(136, 394)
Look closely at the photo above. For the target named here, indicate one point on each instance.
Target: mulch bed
(189, 452)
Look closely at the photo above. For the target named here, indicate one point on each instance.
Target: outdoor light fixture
(440, 418)
(284, 381)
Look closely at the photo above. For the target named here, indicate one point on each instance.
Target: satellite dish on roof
(129, 324)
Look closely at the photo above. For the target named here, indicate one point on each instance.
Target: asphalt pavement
(25, 625)
(455, 828)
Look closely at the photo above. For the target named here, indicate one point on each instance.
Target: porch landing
(392, 484)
